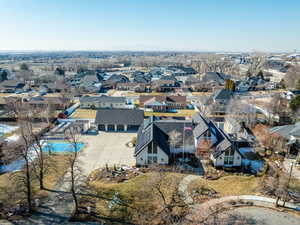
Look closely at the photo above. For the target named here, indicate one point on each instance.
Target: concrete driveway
(106, 148)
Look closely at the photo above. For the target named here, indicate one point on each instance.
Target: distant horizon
(166, 51)
(134, 25)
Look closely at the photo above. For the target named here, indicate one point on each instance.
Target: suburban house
(4, 74)
(162, 141)
(181, 71)
(165, 85)
(211, 142)
(291, 133)
(132, 86)
(161, 103)
(52, 87)
(224, 150)
(11, 86)
(113, 80)
(159, 141)
(119, 119)
(217, 102)
(214, 78)
(56, 103)
(90, 84)
(102, 102)
(59, 71)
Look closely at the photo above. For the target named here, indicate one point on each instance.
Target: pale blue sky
(197, 25)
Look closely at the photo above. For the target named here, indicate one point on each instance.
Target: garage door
(133, 128)
(101, 127)
(120, 127)
(111, 127)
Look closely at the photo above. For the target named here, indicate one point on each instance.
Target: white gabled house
(154, 143)
(202, 139)
(211, 142)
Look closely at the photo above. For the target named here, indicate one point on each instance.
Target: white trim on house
(143, 156)
(220, 161)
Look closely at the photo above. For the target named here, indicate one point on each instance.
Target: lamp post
(288, 183)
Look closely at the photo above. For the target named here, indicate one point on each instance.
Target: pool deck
(106, 148)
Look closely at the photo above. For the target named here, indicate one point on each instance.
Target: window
(154, 149)
(162, 159)
(229, 157)
(149, 161)
(154, 159)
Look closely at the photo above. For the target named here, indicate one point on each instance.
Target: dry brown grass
(137, 191)
(229, 185)
(84, 114)
(56, 171)
(179, 113)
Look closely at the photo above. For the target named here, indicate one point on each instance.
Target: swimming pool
(62, 147)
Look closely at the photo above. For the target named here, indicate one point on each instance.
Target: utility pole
(288, 183)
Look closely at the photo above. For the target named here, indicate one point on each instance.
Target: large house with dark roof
(158, 140)
(119, 119)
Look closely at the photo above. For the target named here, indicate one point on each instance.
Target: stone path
(183, 188)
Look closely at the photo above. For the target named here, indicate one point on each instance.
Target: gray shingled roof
(223, 94)
(158, 131)
(214, 76)
(287, 131)
(203, 124)
(103, 98)
(120, 116)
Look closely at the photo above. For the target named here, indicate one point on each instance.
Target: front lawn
(227, 185)
(138, 196)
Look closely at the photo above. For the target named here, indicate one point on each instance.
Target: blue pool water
(62, 147)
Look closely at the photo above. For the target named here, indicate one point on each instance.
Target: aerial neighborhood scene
(150, 112)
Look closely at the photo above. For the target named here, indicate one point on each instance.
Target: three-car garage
(119, 120)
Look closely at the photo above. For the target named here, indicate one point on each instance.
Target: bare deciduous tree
(24, 116)
(214, 63)
(241, 112)
(175, 138)
(257, 63)
(292, 77)
(72, 135)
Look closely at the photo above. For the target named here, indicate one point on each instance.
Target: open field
(179, 113)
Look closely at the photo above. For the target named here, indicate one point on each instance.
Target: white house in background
(103, 102)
